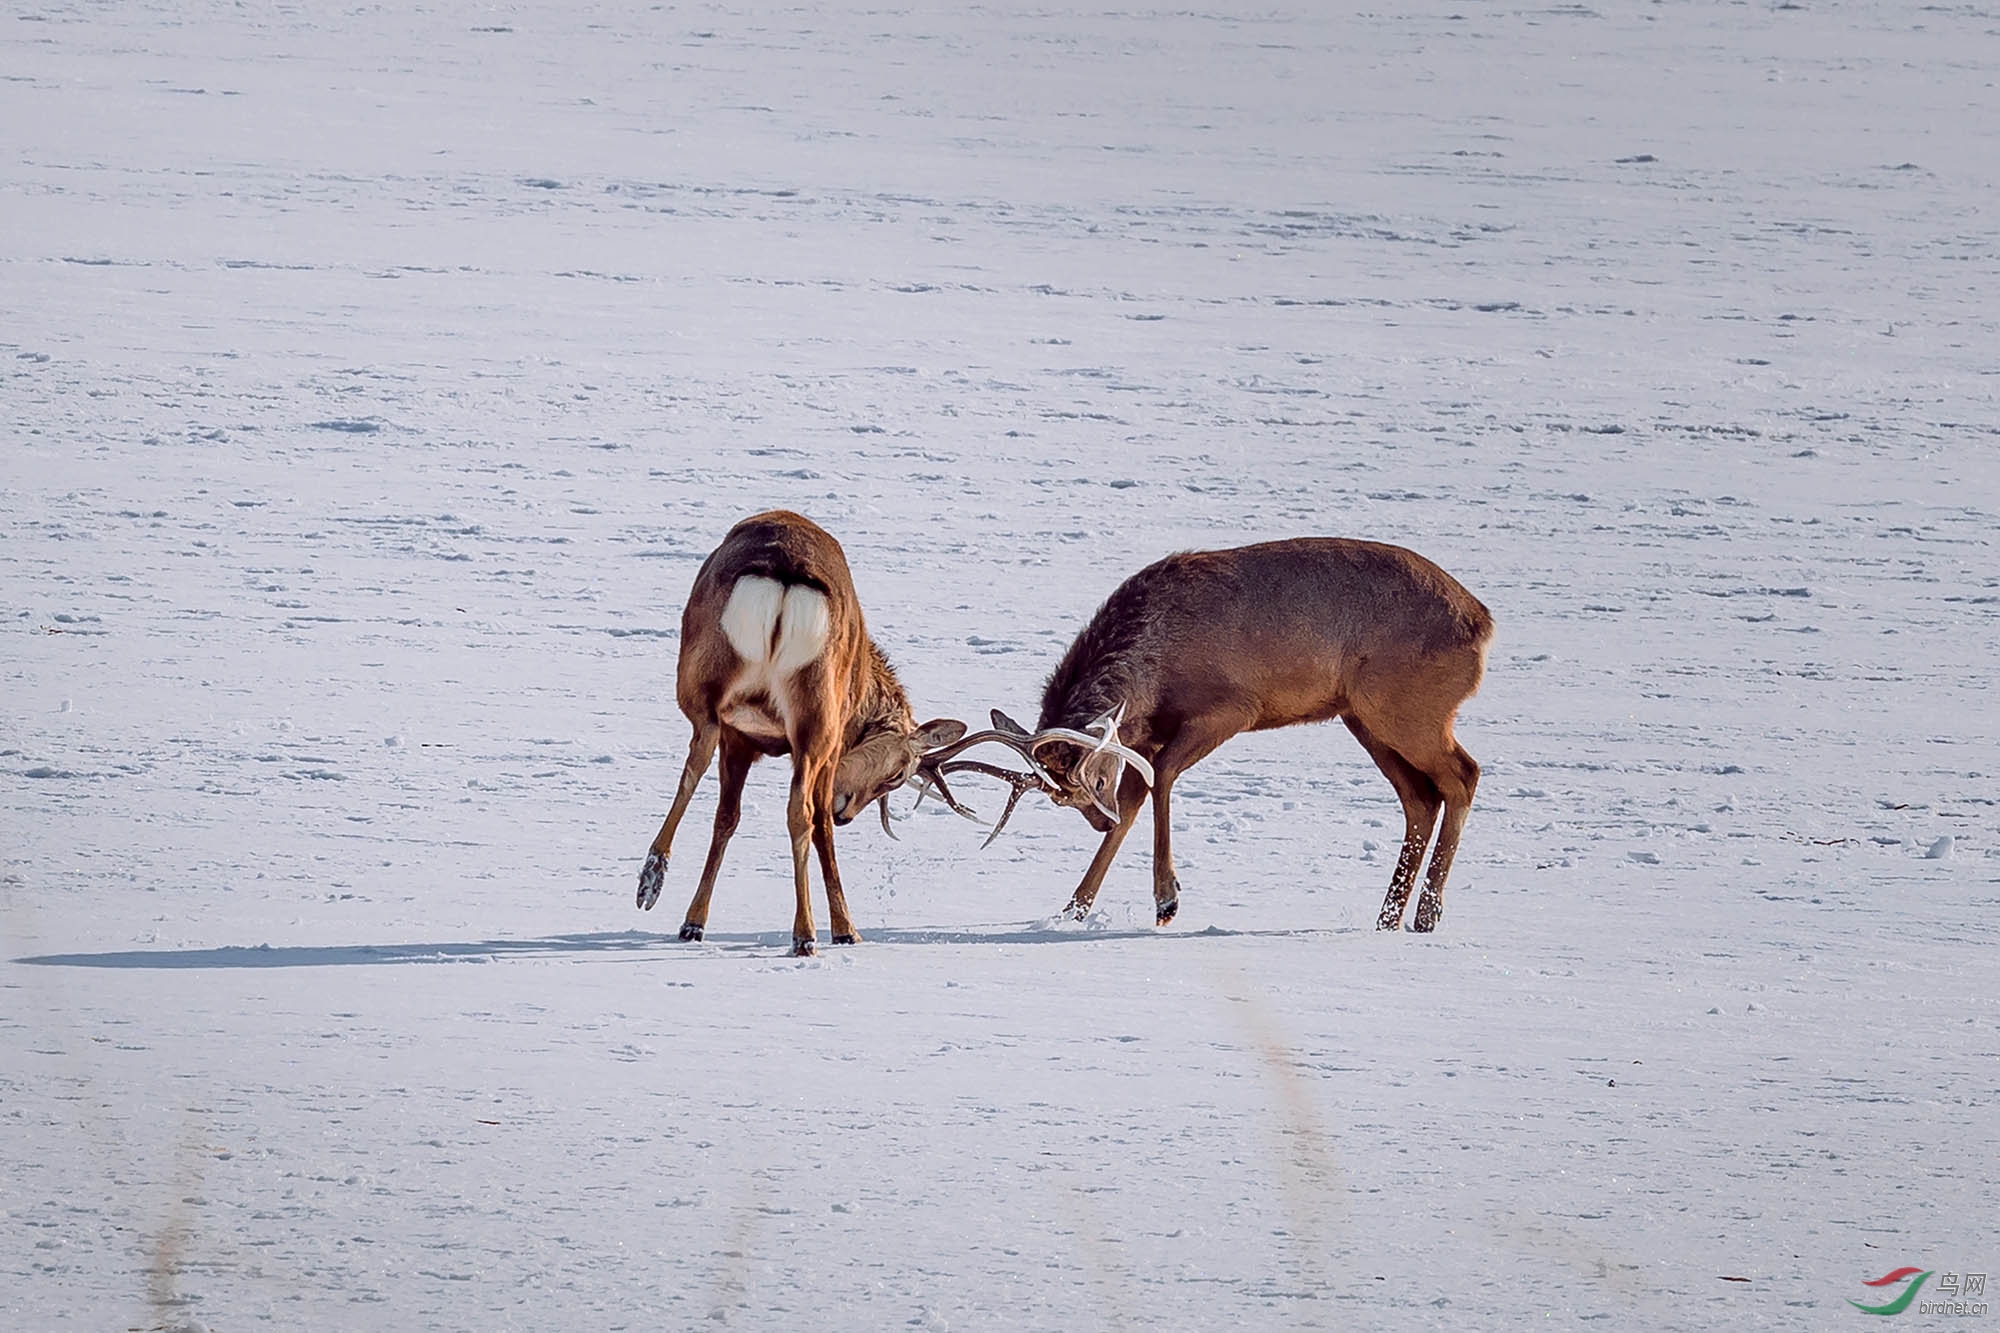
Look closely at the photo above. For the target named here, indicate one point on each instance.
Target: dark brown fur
(1203, 645)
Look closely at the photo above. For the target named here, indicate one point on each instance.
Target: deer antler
(932, 768)
(929, 774)
(1022, 783)
(1101, 737)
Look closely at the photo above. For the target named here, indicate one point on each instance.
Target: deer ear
(939, 731)
(1001, 722)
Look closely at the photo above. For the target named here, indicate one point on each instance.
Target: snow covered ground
(373, 381)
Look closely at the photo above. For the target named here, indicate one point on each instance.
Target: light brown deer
(1203, 645)
(775, 659)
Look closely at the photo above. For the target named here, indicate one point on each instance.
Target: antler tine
(928, 780)
(1013, 799)
(883, 806)
(1022, 784)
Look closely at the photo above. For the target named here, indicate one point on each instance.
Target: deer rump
(1202, 646)
(776, 630)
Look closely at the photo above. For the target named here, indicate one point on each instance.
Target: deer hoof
(804, 948)
(651, 876)
(852, 937)
(1164, 912)
(690, 932)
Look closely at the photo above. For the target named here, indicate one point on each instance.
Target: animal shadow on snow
(624, 942)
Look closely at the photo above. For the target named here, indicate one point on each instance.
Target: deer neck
(879, 701)
(1112, 689)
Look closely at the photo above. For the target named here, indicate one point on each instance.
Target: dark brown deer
(1203, 645)
(775, 659)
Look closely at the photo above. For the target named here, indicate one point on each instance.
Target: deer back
(1298, 630)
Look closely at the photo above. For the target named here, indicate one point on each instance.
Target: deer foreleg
(1193, 742)
(654, 873)
(1131, 799)
(799, 822)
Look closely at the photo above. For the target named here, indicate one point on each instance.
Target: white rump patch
(751, 615)
(804, 626)
(769, 624)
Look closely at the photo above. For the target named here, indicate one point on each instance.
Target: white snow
(374, 379)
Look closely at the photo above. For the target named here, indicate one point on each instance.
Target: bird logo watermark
(1956, 1294)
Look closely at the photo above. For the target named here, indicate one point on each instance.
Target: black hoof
(804, 948)
(1165, 912)
(651, 876)
(690, 931)
(848, 939)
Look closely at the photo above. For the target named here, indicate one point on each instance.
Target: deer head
(883, 760)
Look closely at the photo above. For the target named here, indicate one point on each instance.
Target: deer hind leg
(737, 756)
(654, 873)
(815, 751)
(841, 924)
(799, 822)
(1421, 799)
(1457, 777)
(1131, 799)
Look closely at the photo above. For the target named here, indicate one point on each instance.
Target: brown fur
(1203, 645)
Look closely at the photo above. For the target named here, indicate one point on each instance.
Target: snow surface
(374, 379)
